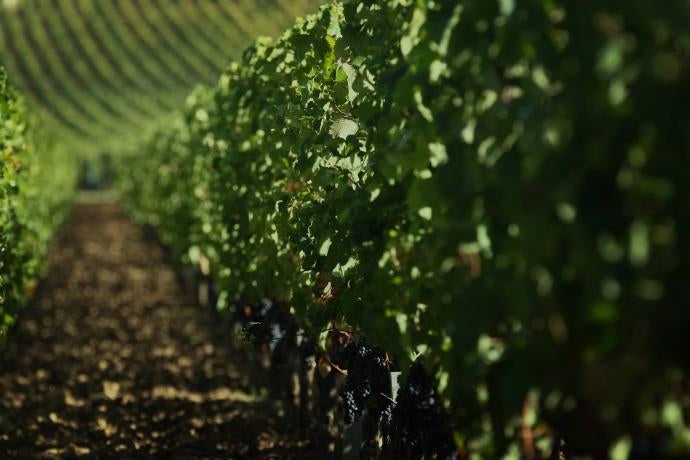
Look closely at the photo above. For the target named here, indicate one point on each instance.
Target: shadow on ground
(112, 361)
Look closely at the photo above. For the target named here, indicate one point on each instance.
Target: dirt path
(112, 362)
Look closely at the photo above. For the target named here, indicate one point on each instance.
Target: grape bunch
(420, 427)
(387, 414)
(350, 408)
(368, 381)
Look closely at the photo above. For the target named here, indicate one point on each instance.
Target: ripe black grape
(368, 381)
(420, 427)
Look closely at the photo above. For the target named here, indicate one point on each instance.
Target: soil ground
(112, 360)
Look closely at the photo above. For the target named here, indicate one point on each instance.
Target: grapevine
(491, 187)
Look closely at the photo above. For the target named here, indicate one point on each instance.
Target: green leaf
(8, 320)
(337, 16)
(438, 154)
(620, 450)
(344, 128)
(425, 213)
(411, 39)
(325, 246)
(436, 70)
(341, 270)
(423, 109)
(350, 74)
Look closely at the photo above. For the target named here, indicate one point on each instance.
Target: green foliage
(35, 187)
(499, 187)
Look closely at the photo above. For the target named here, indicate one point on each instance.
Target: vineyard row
(36, 186)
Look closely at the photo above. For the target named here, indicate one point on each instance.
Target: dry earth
(112, 361)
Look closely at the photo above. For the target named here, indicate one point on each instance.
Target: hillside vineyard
(101, 72)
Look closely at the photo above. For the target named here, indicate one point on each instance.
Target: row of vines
(35, 188)
(496, 189)
(100, 70)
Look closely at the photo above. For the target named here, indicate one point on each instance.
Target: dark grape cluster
(387, 414)
(420, 426)
(350, 408)
(368, 381)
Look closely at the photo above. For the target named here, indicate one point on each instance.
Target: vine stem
(388, 398)
(334, 366)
